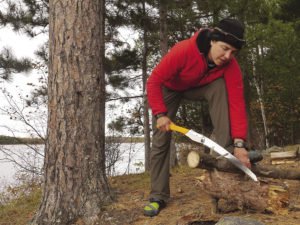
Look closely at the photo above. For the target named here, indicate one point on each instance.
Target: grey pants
(216, 95)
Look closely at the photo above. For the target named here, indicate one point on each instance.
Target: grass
(21, 210)
(130, 181)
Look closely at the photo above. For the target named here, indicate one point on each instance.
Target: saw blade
(221, 151)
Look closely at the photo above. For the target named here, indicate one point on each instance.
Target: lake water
(131, 160)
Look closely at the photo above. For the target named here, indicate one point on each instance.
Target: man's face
(221, 52)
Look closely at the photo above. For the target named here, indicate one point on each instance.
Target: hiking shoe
(153, 207)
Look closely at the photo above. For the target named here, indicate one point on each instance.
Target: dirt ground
(189, 204)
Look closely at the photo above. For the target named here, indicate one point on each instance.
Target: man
(203, 66)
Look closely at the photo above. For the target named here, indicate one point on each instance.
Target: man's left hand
(242, 155)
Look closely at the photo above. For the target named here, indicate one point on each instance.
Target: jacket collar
(203, 41)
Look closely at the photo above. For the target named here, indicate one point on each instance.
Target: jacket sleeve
(168, 68)
(236, 101)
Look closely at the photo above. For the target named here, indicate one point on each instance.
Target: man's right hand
(163, 123)
(242, 155)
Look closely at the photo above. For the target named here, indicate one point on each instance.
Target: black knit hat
(230, 31)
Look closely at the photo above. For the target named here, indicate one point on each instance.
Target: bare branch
(124, 98)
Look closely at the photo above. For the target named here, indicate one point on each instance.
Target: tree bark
(75, 185)
(206, 161)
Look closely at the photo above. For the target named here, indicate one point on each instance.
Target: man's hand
(163, 123)
(242, 155)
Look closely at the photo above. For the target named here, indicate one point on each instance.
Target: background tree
(146, 118)
(29, 17)
(138, 15)
(75, 183)
(270, 57)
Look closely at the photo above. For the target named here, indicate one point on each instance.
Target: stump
(231, 192)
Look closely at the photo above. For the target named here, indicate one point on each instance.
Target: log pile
(285, 157)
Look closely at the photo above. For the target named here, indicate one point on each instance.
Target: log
(277, 173)
(206, 161)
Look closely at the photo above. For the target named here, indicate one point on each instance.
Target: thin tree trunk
(147, 139)
(260, 98)
(75, 185)
(163, 42)
(262, 109)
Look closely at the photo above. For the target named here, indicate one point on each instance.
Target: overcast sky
(22, 46)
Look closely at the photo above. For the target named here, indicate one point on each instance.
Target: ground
(189, 204)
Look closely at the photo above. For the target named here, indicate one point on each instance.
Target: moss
(131, 181)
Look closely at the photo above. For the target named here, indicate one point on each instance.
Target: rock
(233, 220)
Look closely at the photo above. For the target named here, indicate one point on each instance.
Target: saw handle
(182, 130)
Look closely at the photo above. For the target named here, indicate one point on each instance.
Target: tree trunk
(163, 30)
(163, 42)
(75, 185)
(206, 161)
(147, 139)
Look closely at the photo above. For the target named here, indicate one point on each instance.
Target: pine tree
(75, 184)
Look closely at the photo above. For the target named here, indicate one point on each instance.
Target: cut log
(193, 159)
(206, 161)
(284, 155)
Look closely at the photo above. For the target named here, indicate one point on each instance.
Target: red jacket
(184, 67)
